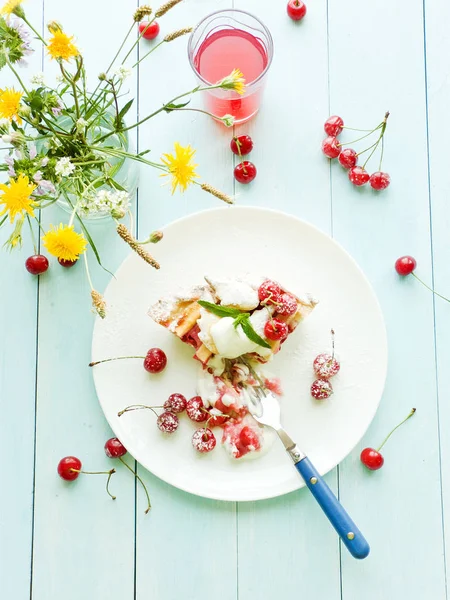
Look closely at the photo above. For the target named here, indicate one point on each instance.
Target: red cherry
(149, 32)
(114, 448)
(348, 158)
(276, 330)
(358, 176)
(269, 292)
(333, 125)
(245, 172)
(155, 361)
(36, 264)
(405, 265)
(196, 409)
(241, 145)
(379, 180)
(204, 440)
(326, 366)
(321, 389)
(175, 403)
(372, 459)
(167, 422)
(69, 468)
(331, 147)
(249, 437)
(296, 9)
(217, 420)
(288, 305)
(67, 263)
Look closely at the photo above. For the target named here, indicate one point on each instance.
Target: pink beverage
(228, 40)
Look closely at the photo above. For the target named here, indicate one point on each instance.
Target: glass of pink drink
(227, 40)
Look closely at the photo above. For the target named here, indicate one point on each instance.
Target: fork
(265, 409)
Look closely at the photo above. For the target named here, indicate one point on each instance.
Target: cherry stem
(140, 481)
(92, 364)
(429, 288)
(238, 146)
(363, 137)
(138, 407)
(109, 473)
(401, 423)
(332, 344)
(382, 152)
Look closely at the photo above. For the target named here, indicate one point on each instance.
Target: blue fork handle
(348, 532)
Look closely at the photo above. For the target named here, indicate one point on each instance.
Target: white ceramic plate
(233, 241)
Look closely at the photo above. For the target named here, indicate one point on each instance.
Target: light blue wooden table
(353, 58)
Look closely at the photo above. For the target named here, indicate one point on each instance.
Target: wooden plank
(377, 64)
(437, 18)
(192, 533)
(285, 540)
(18, 326)
(77, 526)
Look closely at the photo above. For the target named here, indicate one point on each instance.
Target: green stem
(429, 288)
(17, 76)
(92, 364)
(148, 53)
(383, 129)
(401, 423)
(87, 270)
(33, 239)
(140, 481)
(34, 30)
(382, 152)
(137, 41)
(363, 137)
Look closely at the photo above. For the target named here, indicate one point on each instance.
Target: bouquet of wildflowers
(69, 144)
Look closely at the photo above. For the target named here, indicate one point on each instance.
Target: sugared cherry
(326, 366)
(167, 422)
(288, 305)
(333, 125)
(155, 361)
(331, 147)
(358, 176)
(241, 145)
(296, 9)
(67, 263)
(348, 158)
(217, 420)
(149, 32)
(276, 330)
(204, 440)
(270, 292)
(36, 264)
(373, 459)
(321, 389)
(405, 265)
(114, 448)
(379, 180)
(69, 468)
(175, 403)
(245, 172)
(196, 409)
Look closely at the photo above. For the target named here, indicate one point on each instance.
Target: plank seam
(432, 284)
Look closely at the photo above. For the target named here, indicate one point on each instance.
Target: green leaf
(2, 60)
(124, 111)
(172, 106)
(220, 311)
(3, 220)
(240, 319)
(252, 335)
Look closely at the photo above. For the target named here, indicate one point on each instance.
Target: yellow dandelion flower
(13, 7)
(63, 242)
(180, 165)
(10, 104)
(234, 81)
(61, 46)
(17, 198)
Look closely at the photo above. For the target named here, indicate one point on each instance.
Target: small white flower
(64, 167)
(123, 73)
(114, 202)
(38, 79)
(228, 120)
(6, 138)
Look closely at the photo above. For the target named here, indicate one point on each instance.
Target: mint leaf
(240, 319)
(220, 311)
(252, 335)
